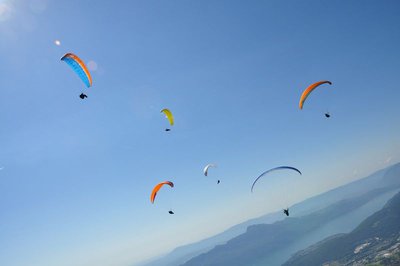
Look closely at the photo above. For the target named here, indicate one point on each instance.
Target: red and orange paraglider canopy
(157, 188)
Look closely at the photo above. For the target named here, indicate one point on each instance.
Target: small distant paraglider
(205, 170)
(57, 42)
(309, 89)
(79, 68)
(327, 115)
(157, 188)
(285, 211)
(169, 116)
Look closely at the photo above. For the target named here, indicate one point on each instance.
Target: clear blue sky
(77, 174)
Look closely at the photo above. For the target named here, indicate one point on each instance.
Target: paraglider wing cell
(157, 188)
(309, 89)
(79, 68)
(274, 169)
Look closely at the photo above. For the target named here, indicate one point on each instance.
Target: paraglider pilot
(286, 211)
(83, 96)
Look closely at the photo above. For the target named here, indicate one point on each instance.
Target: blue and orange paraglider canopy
(79, 68)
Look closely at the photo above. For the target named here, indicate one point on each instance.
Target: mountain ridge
(263, 240)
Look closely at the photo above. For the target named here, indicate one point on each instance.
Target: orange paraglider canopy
(309, 89)
(157, 188)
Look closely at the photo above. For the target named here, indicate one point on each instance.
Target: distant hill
(184, 253)
(378, 179)
(376, 241)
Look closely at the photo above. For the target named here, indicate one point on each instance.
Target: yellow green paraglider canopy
(168, 115)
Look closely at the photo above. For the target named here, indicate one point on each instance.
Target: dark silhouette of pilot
(286, 211)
